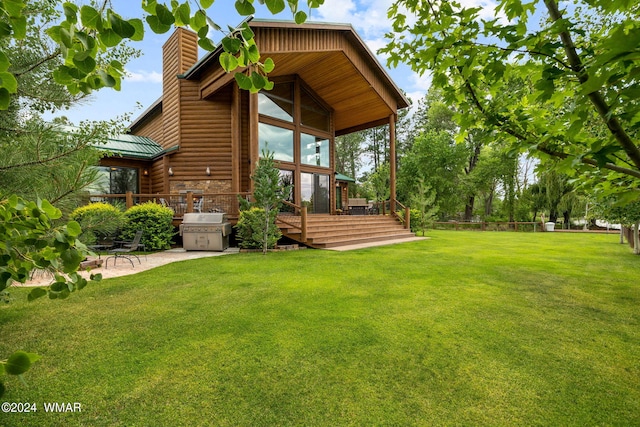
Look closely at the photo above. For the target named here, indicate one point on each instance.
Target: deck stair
(329, 231)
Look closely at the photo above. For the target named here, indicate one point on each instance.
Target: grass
(467, 328)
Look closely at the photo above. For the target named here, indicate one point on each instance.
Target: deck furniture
(125, 250)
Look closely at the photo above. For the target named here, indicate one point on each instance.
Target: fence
(489, 226)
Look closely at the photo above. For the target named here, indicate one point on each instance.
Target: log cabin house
(204, 135)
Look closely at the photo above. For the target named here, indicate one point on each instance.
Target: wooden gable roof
(331, 58)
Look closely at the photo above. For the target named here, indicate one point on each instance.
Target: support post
(129, 199)
(303, 223)
(189, 201)
(392, 162)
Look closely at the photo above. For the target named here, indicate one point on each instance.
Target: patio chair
(125, 250)
(197, 206)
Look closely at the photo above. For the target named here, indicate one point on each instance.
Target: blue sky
(144, 84)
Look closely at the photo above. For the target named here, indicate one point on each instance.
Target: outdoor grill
(205, 231)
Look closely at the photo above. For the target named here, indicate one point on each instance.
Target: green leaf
(244, 81)
(123, 28)
(269, 65)
(14, 7)
(593, 84)
(247, 32)
(275, 6)
(109, 37)
(253, 54)
(9, 82)
(206, 4)
(138, 26)
(231, 45)
(19, 25)
(245, 8)
(258, 81)
(90, 17)
(19, 363)
(70, 12)
(300, 17)
(107, 79)
(4, 62)
(84, 62)
(73, 229)
(36, 293)
(228, 61)
(5, 29)
(164, 15)
(198, 20)
(157, 26)
(183, 14)
(206, 44)
(5, 98)
(66, 38)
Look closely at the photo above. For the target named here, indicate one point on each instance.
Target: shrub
(99, 221)
(251, 229)
(156, 223)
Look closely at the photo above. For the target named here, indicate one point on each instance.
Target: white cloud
(143, 77)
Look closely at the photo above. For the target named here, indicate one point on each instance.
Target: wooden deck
(329, 231)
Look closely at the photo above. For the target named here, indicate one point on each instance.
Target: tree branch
(505, 128)
(596, 97)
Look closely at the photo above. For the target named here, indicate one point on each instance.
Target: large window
(276, 140)
(295, 126)
(116, 180)
(314, 150)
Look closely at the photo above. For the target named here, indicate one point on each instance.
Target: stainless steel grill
(205, 231)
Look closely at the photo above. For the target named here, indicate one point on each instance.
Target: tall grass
(466, 328)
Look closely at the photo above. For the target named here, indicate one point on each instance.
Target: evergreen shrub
(251, 229)
(156, 223)
(99, 221)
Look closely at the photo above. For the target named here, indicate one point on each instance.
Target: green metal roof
(133, 146)
(341, 177)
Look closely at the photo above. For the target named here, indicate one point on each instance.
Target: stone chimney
(179, 54)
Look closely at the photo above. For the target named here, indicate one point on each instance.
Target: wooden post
(407, 218)
(129, 199)
(392, 162)
(303, 223)
(189, 201)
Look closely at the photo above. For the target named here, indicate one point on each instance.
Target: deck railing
(393, 206)
(181, 203)
(297, 211)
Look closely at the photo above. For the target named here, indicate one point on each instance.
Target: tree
(349, 150)
(257, 223)
(627, 215)
(423, 201)
(573, 72)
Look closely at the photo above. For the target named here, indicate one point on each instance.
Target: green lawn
(466, 328)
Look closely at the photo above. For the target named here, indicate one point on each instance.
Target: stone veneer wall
(202, 186)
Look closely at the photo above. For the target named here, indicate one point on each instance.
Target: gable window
(312, 113)
(277, 102)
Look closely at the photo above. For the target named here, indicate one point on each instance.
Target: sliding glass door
(315, 192)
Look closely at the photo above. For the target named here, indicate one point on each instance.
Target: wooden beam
(236, 151)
